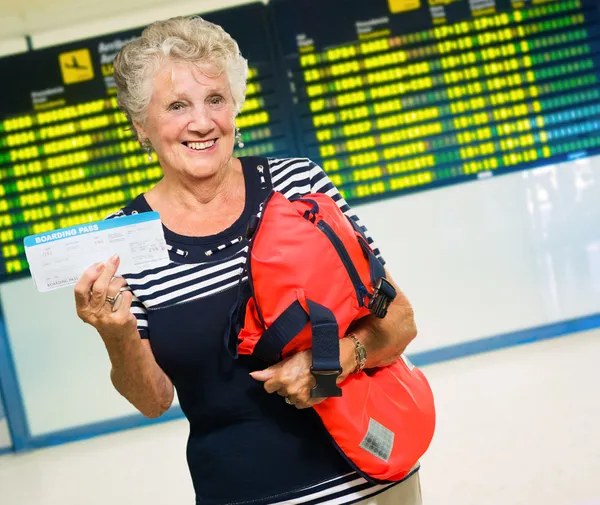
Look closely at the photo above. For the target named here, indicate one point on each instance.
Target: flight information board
(394, 96)
(67, 155)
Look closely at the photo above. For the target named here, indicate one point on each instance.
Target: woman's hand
(91, 292)
(291, 377)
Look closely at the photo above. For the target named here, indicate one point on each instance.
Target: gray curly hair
(181, 39)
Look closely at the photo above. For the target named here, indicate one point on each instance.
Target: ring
(288, 401)
(115, 301)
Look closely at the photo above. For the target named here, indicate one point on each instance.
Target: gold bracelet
(360, 352)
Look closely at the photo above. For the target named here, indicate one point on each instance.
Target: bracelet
(360, 352)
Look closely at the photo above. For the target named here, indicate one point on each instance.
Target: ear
(140, 131)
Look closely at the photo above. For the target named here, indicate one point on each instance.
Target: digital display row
(388, 96)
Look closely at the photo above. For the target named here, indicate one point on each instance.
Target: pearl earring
(147, 145)
(238, 138)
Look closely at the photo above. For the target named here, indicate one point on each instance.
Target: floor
(516, 426)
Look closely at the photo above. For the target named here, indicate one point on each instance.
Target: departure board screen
(67, 154)
(395, 96)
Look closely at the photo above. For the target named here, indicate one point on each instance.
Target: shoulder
(296, 175)
(287, 165)
(136, 206)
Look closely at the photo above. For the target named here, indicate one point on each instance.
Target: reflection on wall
(564, 212)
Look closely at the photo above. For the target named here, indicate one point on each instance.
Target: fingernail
(114, 258)
(99, 266)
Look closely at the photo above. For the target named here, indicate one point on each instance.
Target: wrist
(353, 355)
(360, 353)
(347, 357)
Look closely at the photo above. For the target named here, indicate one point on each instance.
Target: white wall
(12, 46)
(497, 255)
(61, 364)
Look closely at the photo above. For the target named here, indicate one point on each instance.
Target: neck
(198, 194)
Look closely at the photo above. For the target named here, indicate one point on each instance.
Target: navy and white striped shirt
(245, 446)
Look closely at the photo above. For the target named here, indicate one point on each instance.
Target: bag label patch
(378, 441)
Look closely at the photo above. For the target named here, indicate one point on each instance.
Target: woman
(182, 84)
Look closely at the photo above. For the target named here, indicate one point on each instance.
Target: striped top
(245, 446)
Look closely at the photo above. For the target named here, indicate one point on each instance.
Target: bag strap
(383, 290)
(376, 269)
(325, 343)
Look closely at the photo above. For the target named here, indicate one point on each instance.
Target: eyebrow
(213, 91)
(176, 95)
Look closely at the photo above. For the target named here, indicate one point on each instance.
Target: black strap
(325, 343)
(376, 269)
(283, 330)
(325, 338)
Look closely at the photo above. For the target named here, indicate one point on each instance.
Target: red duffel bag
(311, 273)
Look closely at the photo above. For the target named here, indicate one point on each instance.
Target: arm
(135, 373)
(384, 339)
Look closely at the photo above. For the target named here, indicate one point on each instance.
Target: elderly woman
(182, 84)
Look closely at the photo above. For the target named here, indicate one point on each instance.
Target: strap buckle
(383, 294)
(326, 385)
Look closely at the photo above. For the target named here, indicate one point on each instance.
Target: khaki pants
(405, 493)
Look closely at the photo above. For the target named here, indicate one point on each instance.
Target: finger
(275, 384)
(125, 305)
(115, 286)
(84, 284)
(266, 374)
(100, 286)
(116, 290)
(309, 404)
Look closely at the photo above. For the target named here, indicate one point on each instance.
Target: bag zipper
(359, 287)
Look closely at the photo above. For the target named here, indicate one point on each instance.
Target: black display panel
(395, 96)
(67, 155)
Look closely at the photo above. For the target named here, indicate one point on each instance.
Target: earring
(238, 138)
(147, 146)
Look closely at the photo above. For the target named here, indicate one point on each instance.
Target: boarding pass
(58, 258)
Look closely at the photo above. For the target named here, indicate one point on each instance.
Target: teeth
(199, 146)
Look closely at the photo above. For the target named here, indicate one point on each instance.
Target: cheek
(227, 125)
(171, 130)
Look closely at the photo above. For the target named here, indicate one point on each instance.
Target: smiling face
(190, 120)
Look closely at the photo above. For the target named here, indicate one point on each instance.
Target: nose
(200, 120)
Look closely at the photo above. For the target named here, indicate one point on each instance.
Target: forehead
(179, 78)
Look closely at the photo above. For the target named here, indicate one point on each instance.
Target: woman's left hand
(291, 378)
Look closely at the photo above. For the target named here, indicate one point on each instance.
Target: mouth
(205, 145)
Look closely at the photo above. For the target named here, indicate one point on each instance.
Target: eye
(175, 106)
(216, 100)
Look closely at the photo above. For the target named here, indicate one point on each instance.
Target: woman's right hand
(91, 292)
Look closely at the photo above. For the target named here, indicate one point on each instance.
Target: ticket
(58, 258)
